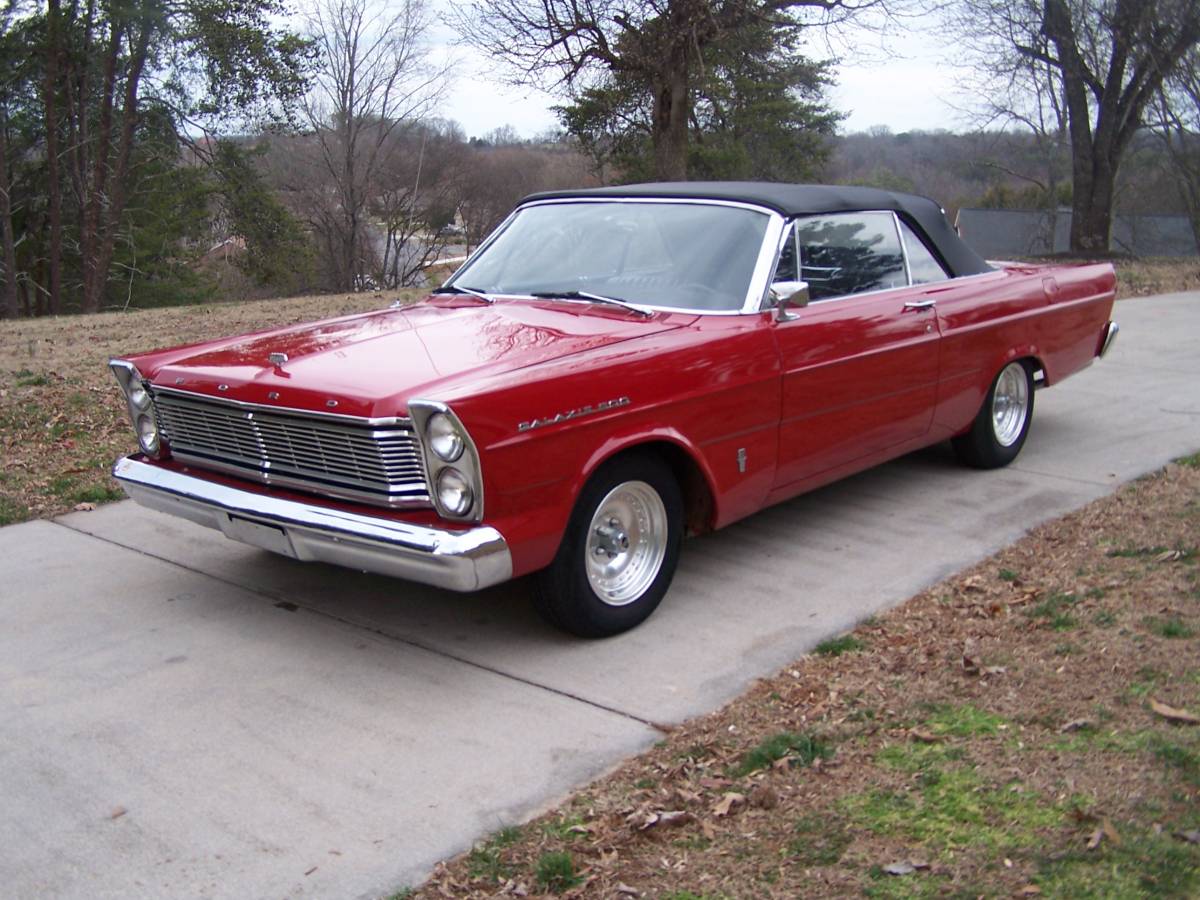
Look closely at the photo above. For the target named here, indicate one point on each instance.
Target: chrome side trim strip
(459, 560)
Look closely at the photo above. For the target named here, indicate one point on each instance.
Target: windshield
(674, 255)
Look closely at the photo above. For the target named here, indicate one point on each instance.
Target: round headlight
(444, 437)
(138, 395)
(454, 492)
(147, 433)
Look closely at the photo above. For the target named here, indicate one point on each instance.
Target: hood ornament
(277, 359)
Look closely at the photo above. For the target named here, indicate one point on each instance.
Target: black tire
(1001, 426)
(641, 494)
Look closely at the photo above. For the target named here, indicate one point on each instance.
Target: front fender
(709, 395)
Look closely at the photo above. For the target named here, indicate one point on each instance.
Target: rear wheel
(1000, 428)
(619, 552)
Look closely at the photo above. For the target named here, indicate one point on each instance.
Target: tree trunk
(54, 199)
(107, 204)
(111, 223)
(10, 307)
(1092, 201)
(94, 276)
(670, 135)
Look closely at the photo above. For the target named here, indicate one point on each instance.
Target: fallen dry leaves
(1145, 277)
(1038, 675)
(1171, 714)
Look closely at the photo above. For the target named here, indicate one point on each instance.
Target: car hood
(371, 364)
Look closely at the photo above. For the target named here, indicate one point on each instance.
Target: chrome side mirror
(788, 293)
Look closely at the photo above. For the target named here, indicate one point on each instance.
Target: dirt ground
(1145, 277)
(1028, 727)
(62, 418)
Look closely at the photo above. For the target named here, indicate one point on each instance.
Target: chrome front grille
(334, 455)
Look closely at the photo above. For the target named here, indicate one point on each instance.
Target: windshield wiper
(456, 289)
(595, 298)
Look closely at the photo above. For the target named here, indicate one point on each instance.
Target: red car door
(859, 367)
(859, 377)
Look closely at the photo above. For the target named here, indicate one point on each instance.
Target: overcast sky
(913, 91)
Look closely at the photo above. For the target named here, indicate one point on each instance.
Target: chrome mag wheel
(626, 543)
(1010, 404)
(619, 551)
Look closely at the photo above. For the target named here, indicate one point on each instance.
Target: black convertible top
(808, 199)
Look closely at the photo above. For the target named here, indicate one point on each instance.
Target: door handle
(920, 304)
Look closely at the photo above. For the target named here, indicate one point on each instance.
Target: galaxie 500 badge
(573, 414)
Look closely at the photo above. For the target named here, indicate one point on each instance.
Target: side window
(849, 253)
(785, 269)
(922, 265)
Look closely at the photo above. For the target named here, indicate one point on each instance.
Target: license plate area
(268, 537)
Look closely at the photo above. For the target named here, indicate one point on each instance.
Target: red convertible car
(612, 369)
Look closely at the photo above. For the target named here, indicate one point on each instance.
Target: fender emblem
(573, 414)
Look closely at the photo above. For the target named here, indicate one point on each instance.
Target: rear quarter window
(923, 266)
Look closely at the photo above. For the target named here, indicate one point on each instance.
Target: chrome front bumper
(461, 560)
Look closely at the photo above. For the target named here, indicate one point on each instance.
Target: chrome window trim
(950, 279)
(904, 287)
(903, 248)
(759, 278)
(788, 233)
(286, 410)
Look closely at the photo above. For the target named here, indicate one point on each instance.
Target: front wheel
(619, 552)
(1000, 428)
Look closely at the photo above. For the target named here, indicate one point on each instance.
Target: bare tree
(419, 191)
(1028, 95)
(569, 45)
(374, 76)
(1103, 60)
(1176, 120)
(498, 177)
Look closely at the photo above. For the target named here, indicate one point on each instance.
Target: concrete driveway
(182, 715)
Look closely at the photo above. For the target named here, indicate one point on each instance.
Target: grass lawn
(1027, 727)
(62, 419)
